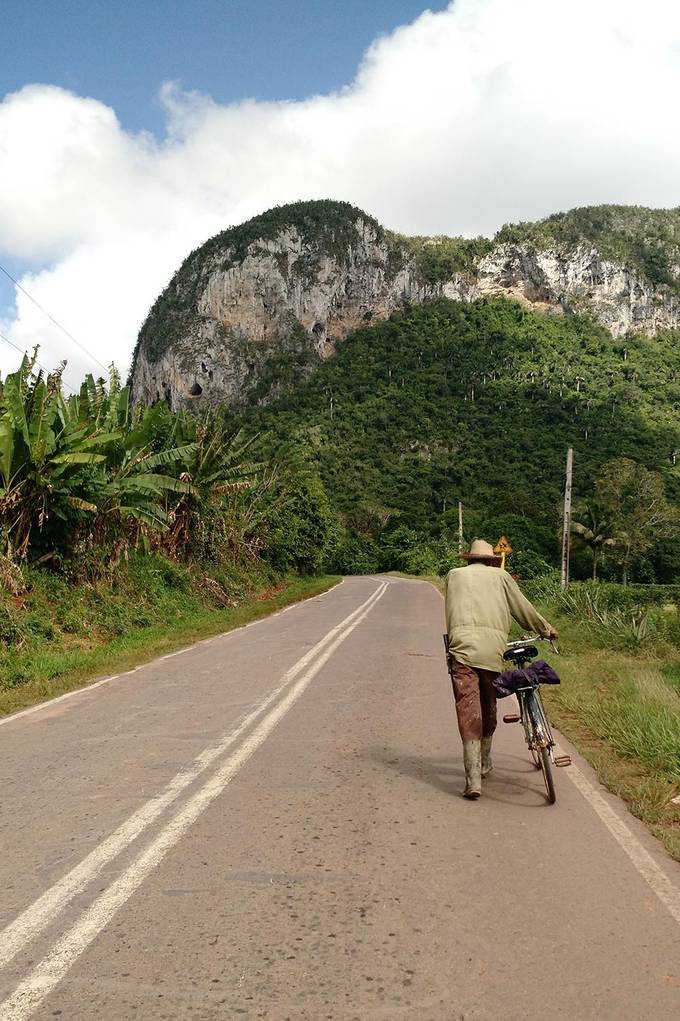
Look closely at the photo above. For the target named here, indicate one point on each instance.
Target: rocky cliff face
(578, 279)
(257, 307)
(288, 301)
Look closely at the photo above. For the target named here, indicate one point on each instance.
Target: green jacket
(480, 602)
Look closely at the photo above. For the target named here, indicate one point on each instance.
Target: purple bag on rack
(538, 672)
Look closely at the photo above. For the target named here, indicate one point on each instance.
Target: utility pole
(566, 520)
(460, 527)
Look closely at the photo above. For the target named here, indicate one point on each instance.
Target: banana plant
(46, 458)
(91, 464)
(216, 470)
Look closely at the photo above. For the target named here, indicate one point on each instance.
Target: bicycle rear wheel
(546, 768)
(530, 734)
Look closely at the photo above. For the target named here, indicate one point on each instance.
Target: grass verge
(92, 631)
(622, 712)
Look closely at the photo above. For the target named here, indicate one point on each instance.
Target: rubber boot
(487, 764)
(472, 758)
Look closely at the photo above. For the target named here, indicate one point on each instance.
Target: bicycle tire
(546, 768)
(530, 734)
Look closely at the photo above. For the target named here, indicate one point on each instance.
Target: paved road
(269, 825)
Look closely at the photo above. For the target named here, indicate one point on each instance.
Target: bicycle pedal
(562, 760)
(511, 718)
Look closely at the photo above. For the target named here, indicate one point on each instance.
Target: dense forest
(86, 478)
(479, 402)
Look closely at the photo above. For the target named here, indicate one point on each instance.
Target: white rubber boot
(472, 758)
(487, 764)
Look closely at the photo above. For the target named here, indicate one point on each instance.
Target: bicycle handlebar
(533, 638)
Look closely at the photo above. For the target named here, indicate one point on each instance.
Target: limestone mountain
(257, 307)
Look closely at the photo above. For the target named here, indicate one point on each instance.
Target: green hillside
(478, 402)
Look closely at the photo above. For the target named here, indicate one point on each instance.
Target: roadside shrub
(357, 554)
(300, 528)
(543, 588)
(527, 565)
(40, 625)
(405, 550)
(421, 560)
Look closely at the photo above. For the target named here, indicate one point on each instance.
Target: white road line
(114, 677)
(45, 909)
(50, 971)
(651, 872)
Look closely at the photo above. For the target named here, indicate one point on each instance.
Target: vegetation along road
(269, 825)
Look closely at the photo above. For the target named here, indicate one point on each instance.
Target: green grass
(62, 636)
(621, 709)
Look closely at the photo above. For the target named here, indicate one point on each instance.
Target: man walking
(480, 601)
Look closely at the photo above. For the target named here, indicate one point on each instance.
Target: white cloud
(487, 112)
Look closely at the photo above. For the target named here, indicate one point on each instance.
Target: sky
(131, 133)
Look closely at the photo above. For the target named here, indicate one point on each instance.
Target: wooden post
(460, 527)
(566, 520)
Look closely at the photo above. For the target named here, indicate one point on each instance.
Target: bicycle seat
(521, 653)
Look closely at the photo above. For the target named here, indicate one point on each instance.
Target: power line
(22, 353)
(52, 319)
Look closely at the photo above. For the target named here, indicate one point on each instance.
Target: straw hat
(482, 550)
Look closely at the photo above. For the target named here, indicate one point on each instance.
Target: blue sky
(447, 118)
(120, 53)
(231, 49)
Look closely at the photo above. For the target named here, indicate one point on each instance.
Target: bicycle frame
(534, 719)
(533, 716)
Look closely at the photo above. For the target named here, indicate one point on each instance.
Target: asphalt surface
(231, 832)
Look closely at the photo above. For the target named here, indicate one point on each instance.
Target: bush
(528, 565)
(301, 529)
(357, 554)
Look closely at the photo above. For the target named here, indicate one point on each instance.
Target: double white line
(53, 967)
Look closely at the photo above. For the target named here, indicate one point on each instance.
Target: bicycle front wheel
(546, 769)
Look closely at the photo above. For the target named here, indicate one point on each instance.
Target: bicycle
(532, 714)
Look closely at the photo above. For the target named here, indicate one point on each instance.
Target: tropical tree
(82, 464)
(596, 532)
(212, 515)
(47, 457)
(634, 499)
(131, 491)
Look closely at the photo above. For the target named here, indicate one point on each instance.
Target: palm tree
(596, 532)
